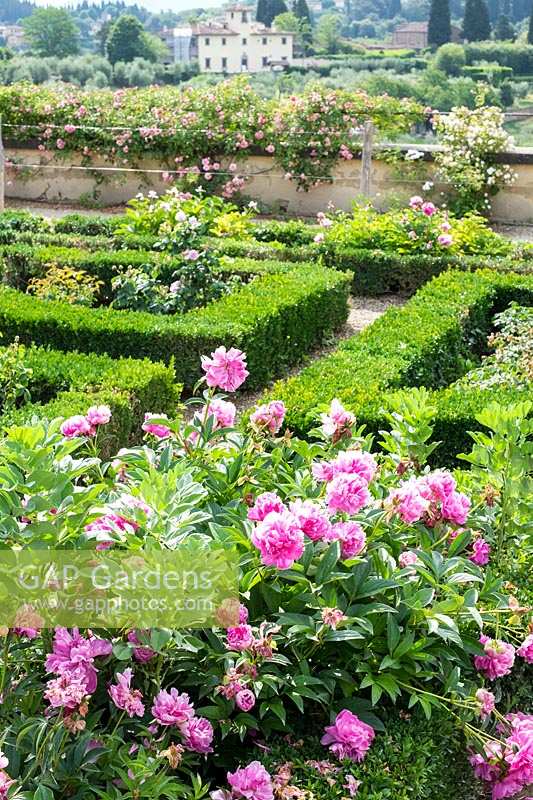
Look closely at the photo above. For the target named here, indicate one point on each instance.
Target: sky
(152, 5)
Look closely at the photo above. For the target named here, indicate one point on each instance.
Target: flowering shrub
(357, 582)
(471, 139)
(67, 284)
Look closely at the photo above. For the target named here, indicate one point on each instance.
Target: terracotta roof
(412, 27)
(212, 30)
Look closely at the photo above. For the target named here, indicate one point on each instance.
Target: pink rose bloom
(351, 536)
(407, 502)
(225, 369)
(347, 493)
(498, 659)
(338, 422)
(416, 202)
(526, 649)
(156, 429)
(264, 504)
(279, 539)
(198, 734)
(126, 698)
(191, 255)
(480, 552)
(407, 558)
(141, 653)
(429, 209)
(240, 637)
(311, 519)
(251, 782)
(76, 426)
(98, 415)
(486, 702)
(172, 708)
(455, 508)
(356, 462)
(348, 737)
(269, 416)
(245, 700)
(445, 240)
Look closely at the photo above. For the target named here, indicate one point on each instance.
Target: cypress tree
(476, 22)
(503, 29)
(439, 25)
(530, 29)
(261, 11)
(494, 9)
(395, 8)
(301, 10)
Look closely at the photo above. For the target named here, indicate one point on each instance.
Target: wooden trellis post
(2, 169)
(366, 157)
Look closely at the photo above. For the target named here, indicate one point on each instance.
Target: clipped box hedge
(276, 319)
(63, 384)
(427, 343)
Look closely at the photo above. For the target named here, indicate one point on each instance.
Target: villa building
(236, 44)
(414, 35)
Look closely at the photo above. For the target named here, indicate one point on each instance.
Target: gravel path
(363, 311)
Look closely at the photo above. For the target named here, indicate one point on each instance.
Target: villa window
(224, 64)
(208, 63)
(283, 40)
(265, 61)
(206, 41)
(223, 40)
(264, 40)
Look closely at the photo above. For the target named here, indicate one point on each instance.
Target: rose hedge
(63, 384)
(277, 317)
(429, 342)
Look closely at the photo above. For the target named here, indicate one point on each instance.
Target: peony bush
(366, 579)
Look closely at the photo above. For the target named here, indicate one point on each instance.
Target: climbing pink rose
(198, 734)
(279, 539)
(245, 699)
(348, 737)
(156, 429)
(240, 637)
(348, 493)
(351, 536)
(172, 708)
(311, 519)
(225, 369)
(76, 426)
(526, 649)
(251, 782)
(264, 504)
(498, 659)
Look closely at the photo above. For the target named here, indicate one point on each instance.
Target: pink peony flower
(407, 558)
(338, 422)
(251, 782)
(243, 613)
(269, 416)
(60, 144)
(407, 502)
(142, 653)
(222, 412)
(486, 703)
(279, 539)
(416, 202)
(508, 765)
(240, 637)
(311, 519)
(264, 504)
(498, 659)
(348, 737)
(126, 698)
(73, 656)
(347, 493)
(323, 470)
(245, 699)
(356, 462)
(76, 426)
(172, 708)
(429, 209)
(437, 486)
(480, 552)
(107, 528)
(156, 429)
(66, 691)
(198, 734)
(225, 369)
(456, 507)
(445, 240)
(98, 415)
(332, 617)
(526, 649)
(351, 536)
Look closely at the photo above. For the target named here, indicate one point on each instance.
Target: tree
(328, 33)
(273, 9)
(494, 9)
(439, 25)
(395, 8)
(261, 11)
(127, 40)
(51, 32)
(530, 29)
(503, 29)
(476, 22)
(301, 10)
(450, 58)
(287, 23)
(102, 35)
